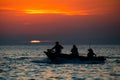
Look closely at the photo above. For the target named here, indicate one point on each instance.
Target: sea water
(28, 62)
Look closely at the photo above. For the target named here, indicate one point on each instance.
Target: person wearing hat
(91, 53)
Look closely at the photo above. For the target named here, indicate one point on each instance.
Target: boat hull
(66, 58)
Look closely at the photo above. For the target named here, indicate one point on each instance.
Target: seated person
(91, 53)
(58, 48)
(74, 51)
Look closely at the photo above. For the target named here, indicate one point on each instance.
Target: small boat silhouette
(68, 58)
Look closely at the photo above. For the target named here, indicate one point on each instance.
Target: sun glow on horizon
(35, 41)
(39, 41)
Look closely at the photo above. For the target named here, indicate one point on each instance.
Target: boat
(68, 58)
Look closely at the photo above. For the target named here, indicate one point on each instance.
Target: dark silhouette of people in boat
(74, 51)
(58, 48)
(91, 53)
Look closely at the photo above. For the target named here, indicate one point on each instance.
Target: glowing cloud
(55, 12)
(71, 7)
(43, 12)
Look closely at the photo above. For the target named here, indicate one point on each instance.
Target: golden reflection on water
(24, 69)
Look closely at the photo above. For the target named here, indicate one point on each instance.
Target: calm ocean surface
(28, 62)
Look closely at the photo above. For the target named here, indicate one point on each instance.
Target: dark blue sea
(28, 62)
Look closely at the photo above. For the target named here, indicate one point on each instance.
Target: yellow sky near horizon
(71, 7)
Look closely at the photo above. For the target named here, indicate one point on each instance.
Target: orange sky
(66, 20)
(68, 7)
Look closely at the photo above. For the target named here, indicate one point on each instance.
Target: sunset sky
(68, 21)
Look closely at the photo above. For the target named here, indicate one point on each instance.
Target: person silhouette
(58, 48)
(91, 53)
(74, 51)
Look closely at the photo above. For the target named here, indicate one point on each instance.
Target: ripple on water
(1, 78)
(31, 79)
(114, 74)
(25, 63)
(1, 71)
